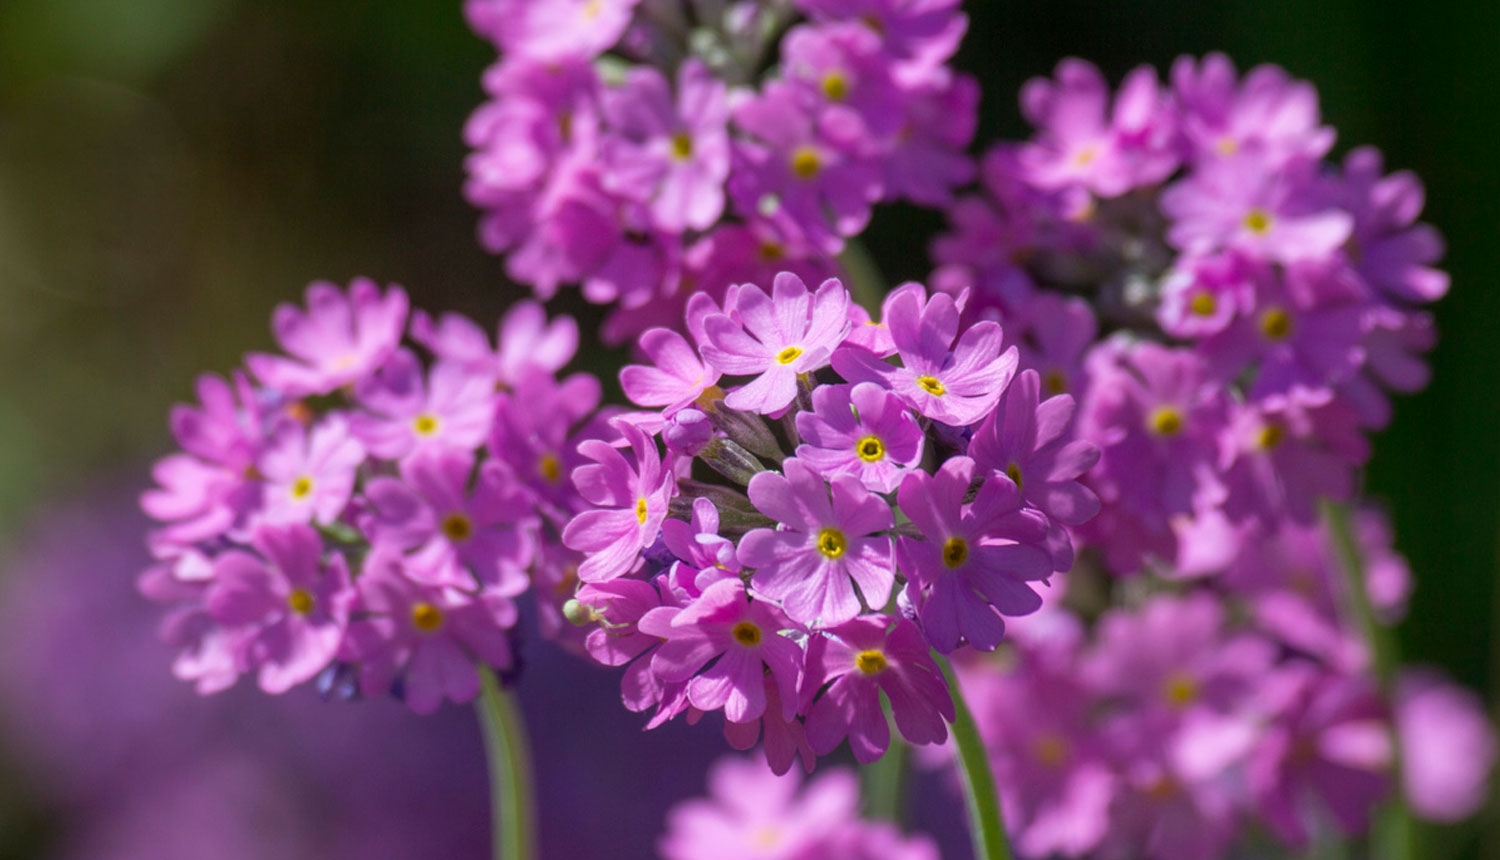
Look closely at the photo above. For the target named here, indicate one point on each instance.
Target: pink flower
(310, 475)
(404, 414)
(860, 430)
(635, 499)
(676, 376)
(776, 339)
(822, 551)
(527, 344)
(860, 659)
(1448, 747)
(287, 610)
(338, 340)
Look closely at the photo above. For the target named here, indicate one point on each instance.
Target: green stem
(865, 283)
(884, 781)
(513, 815)
(980, 797)
(1395, 830)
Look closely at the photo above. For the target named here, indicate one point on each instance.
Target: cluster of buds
(812, 530)
(349, 514)
(647, 149)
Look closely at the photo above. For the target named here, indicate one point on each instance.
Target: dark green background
(171, 168)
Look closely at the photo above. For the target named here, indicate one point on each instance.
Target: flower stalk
(513, 810)
(980, 796)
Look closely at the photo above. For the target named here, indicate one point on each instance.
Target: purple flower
(973, 561)
(1080, 145)
(460, 537)
(928, 159)
(403, 414)
(842, 68)
(805, 172)
(1392, 252)
(1243, 204)
(1278, 463)
(288, 609)
(675, 158)
(527, 344)
(745, 638)
(858, 660)
(1027, 440)
(636, 498)
(676, 377)
(538, 427)
(955, 383)
(423, 641)
(310, 475)
(860, 430)
(813, 563)
(1448, 746)
(776, 339)
(551, 31)
(923, 31)
(338, 340)
(1267, 113)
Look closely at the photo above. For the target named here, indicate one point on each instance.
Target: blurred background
(169, 169)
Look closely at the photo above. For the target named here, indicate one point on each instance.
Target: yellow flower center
(870, 449)
(806, 162)
(1084, 157)
(1013, 471)
(832, 543)
(641, 510)
(682, 146)
(1276, 323)
(301, 601)
(592, 9)
(1180, 690)
(746, 633)
(932, 385)
(771, 251)
(1055, 381)
(550, 467)
(1269, 436)
(1227, 146)
(955, 551)
(425, 424)
(302, 488)
(1166, 421)
(788, 355)
(1051, 749)
(870, 662)
(1203, 304)
(835, 86)
(457, 527)
(1258, 221)
(426, 617)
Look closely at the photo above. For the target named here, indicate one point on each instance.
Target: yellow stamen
(1013, 471)
(1269, 436)
(788, 355)
(457, 527)
(870, 449)
(1203, 304)
(301, 601)
(1051, 749)
(1276, 324)
(426, 617)
(806, 163)
(302, 488)
(932, 385)
(1258, 221)
(746, 633)
(425, 424)
(832, 543)
(1166, 421)
(641, 510)
(1180, 690)
(550, 467)
(1055, 381)
(682, 146)
(835, 86)
(870, 662)
(955, 551)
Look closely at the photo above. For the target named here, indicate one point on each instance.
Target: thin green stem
(512, 809)
(1395, 830)
(884, 783)
(980, 796)
(866, 284)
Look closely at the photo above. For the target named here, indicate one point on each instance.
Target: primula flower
(403, 413)
(636, 498)
(673, 157)
(551, 31)
(775, 338)
(860, 430)
(1392, 252)
(1267, 113)
(924, 31)
(955, 383)
(1448, 746)
(527, 343)
(973, 562)
(425, 643)
(823, 551)
(746, 639)
(309, 474)
(459, 537)
(288, 609)
(338, 340)
(858, 660)
(538, 427)
(676, 377)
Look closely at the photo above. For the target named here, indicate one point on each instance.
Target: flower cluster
(644, 149)
(1256, 302)
(345, 512)
(1174, 728)
(754, 815)
(757, 567)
